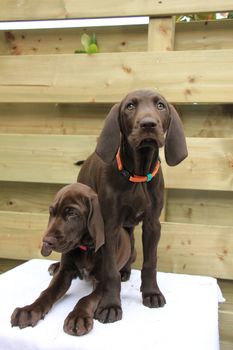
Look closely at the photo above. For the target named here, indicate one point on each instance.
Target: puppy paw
(78, 324)
(125, 274)
(53, 268)
(109, 314)
(26, 317)
(153, 300)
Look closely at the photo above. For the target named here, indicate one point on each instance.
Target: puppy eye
(70, 212)
(130, 106)
(160, 105)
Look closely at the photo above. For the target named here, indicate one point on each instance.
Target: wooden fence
(53, 103)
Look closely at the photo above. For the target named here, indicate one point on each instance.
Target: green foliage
(204, 17)
(89, 44)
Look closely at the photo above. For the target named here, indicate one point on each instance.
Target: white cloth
(189, 320)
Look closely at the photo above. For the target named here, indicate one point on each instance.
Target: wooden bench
(52, 107)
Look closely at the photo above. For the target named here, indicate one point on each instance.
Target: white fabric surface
(188, 321)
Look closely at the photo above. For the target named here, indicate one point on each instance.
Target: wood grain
(61, 9)
(183, 76)
(45, 118)
(78, 119)
(200, 207)
(197, 35)
(184, 248)
(27, 197)
(193, 249)
(21, 235)
(161, 34)
(51, 158)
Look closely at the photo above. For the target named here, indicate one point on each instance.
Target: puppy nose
(49, 241)
(148, 123)
(48, 245)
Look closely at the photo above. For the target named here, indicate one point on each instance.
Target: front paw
(26, 316)
(153, 300)
(78, 324)
(109, 313)
(53, 268)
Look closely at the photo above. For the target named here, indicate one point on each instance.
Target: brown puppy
(125, 171)
(76, 230)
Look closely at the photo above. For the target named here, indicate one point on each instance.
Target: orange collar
(136, 178)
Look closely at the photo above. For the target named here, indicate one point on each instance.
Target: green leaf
(86, 41)
(93, 39)
(79, 51)
(92, 49)
(89, 43)
(230, 15)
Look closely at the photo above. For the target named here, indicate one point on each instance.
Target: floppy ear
(175, 143)
(95, 223)
(109, 139)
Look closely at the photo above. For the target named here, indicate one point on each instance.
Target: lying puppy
(76, 230)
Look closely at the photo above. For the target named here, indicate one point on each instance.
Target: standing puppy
(76, 230)
(125, 171)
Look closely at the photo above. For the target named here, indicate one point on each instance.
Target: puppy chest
(132, 213)
(85, 263)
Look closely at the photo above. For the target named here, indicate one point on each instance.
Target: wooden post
(161, 33)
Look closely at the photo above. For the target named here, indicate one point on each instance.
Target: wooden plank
(187, 76)
(207, 121)
(196, 249)
(161, 34)
(226, 315)
(67, 40)
(225, 322)
(12, 10)
(208, 166)
(75, 119)
(204, 35)
(193, 249)
(184, 206)
(200, 207)
(50, 159)
(43, 158)
(197, 35)
(27, 197)
(21, 235)
(8, 264)
(225, 345)
(66, 119)
(227, 291)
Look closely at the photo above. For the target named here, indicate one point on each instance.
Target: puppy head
(75, 219)
(146, 120)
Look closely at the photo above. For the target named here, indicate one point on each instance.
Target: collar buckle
(125, 173)
(149, 177)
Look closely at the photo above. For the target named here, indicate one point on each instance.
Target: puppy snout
(48, 245)
(148, 123)
(50, 241)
